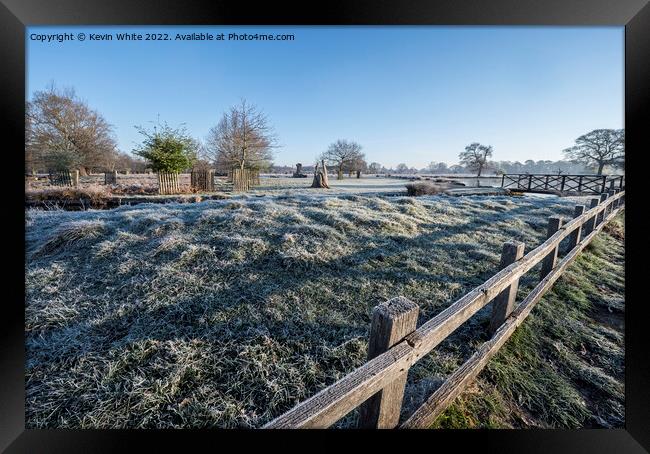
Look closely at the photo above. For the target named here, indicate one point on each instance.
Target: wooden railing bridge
(562, 184)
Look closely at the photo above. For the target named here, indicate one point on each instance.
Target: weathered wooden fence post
(75, 178)
(580, 184)
(620, 199)
(549, 262)
(601, 215)
(391, 322)
(611, 184)
(574, 237)
(591, 222)
(563, 181)
(211, 180)
(504, 302)
(611, 193)
(602, 189)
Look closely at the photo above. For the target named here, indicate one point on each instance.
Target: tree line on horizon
(63, 132)
(562, 167)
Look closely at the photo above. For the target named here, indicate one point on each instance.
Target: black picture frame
(15, 15)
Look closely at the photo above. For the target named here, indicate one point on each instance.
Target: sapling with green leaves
(167, 149)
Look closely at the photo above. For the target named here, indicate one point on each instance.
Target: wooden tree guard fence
(110, 177)
(590, 184)
(168, 183)
(243, 179)
(395, 344)
(64, 178)
(202, 180)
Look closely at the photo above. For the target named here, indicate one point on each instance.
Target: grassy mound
(228, 313)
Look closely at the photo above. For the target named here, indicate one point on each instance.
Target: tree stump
(298, 173)
(320, 177)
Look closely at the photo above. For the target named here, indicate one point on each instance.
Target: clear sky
(406, 94)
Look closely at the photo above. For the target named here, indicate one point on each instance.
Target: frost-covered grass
(367, 185)
(564, 367)
(228, 313)
(147, 185)
(349, 185)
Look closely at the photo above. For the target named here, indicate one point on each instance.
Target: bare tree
(402, 168)
(432, 166)
(62, 132)
(436, 167)
(124, 161)
(442, 168)
(30, 152)
(243, 138)
(599, 148)
(343, 154)
(356, 166)
(475, 157)
(374, 167)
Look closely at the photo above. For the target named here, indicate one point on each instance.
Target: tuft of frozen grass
(422, 188)
(71, 235)
(226, 313)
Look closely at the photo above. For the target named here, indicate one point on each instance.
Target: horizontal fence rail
(383, 371)
(456, 383)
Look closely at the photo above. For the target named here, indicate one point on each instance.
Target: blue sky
(406, 94)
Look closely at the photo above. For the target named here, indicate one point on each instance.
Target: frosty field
(228, 313)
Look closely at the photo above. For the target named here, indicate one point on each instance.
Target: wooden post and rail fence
(546, 183)
(396, 344)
